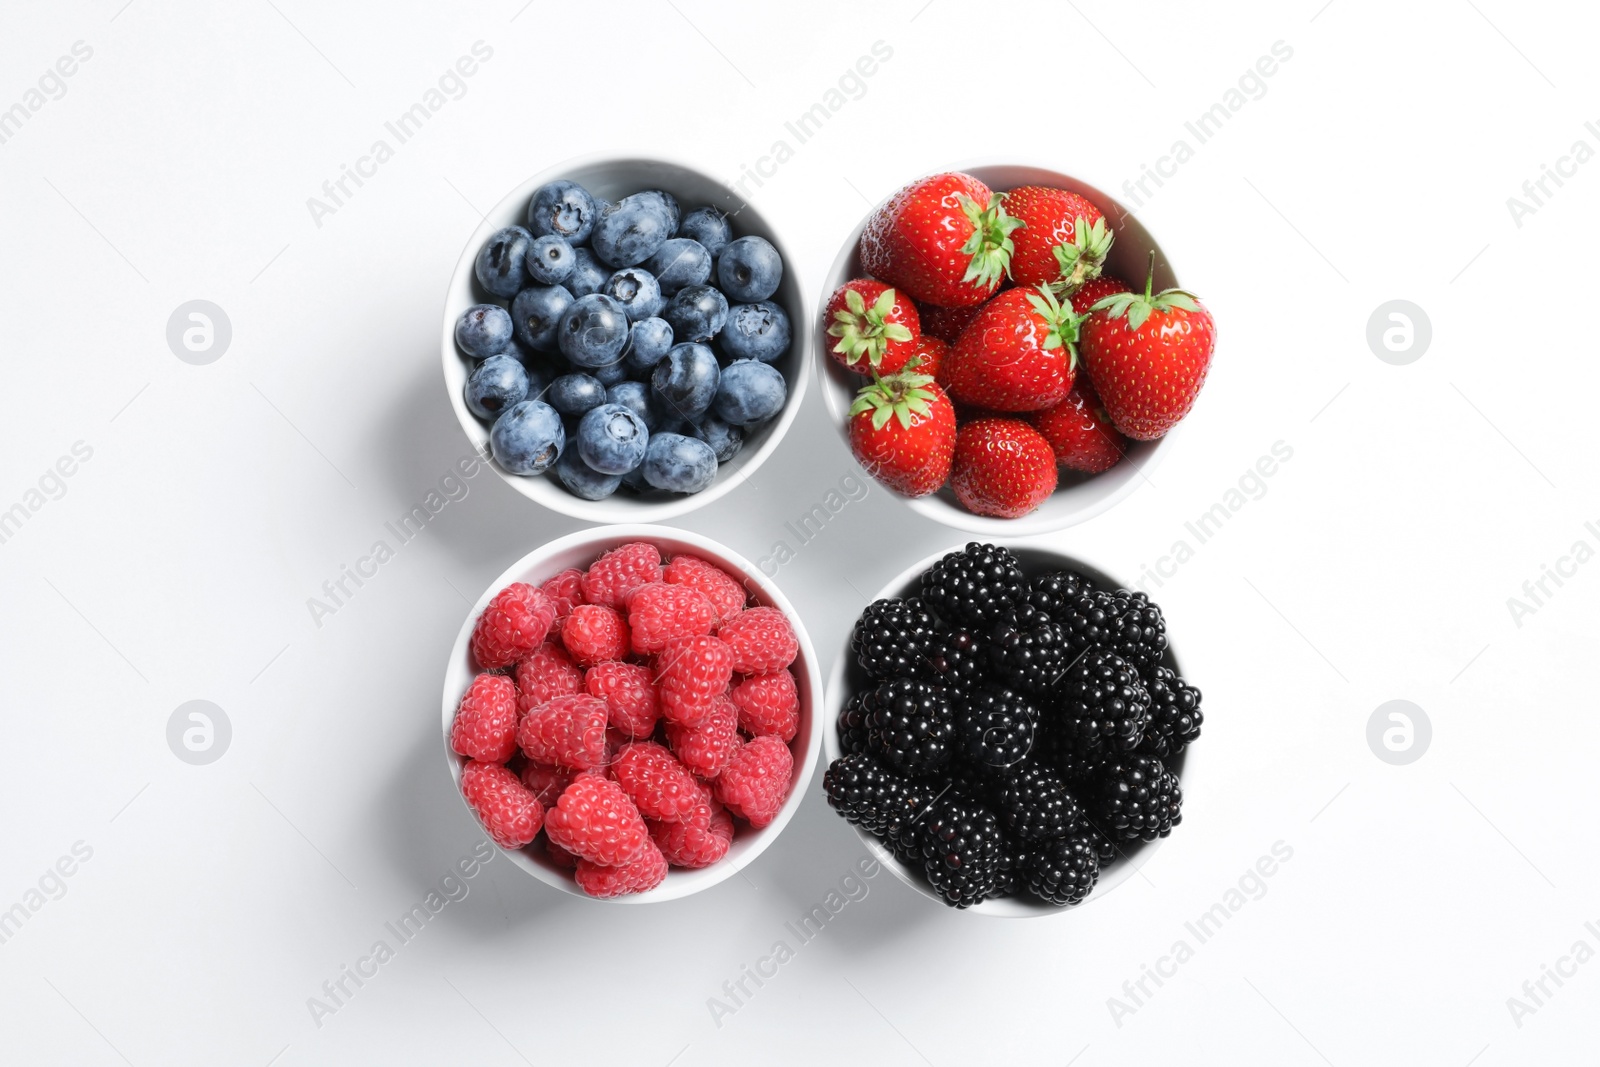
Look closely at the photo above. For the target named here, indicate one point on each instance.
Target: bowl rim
(1017, 906)
(546, 492)
(679, 882)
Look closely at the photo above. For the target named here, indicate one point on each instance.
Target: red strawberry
(903, 430)
(1096, 289)
(1019, 354)
(1148, 356)
(1003, 467)
(933, 355)
(1079, 431)
(945, 239)
(946, 323)
(876, 327)
(1063, 242)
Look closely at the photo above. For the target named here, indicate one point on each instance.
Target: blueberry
(500, 264)
(685, 381)
(680, 262)
(611, 373)
(484, 330)
(708, 226)
(496, 384)
(612, 439)
(564, 209)
(631, 230)
(593, 331)
(635, 396)
(637, 290)
(724, 440)
(696, 313)
(573, 394)
(749, 270)
(528, 438)
(679, 464)
(670, 202)
(535, 314)
(634, 480)
(648, 341)
(550, 260)
(750, 392)
(756, 331)
(588, 273)
(583, 480)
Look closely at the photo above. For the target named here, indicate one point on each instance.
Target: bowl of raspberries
(620, 338)
(1007, 348)
(1011, 730)
(628, 713)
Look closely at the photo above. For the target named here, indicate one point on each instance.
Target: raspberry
(644, 872)
(630, 696)
(762, 640)
(595, 821)
(691, 673)
(565, 590)
(507, 810)
(546, 781)
(619, 572)
(511, 626)
(706, 749)
(594, 634)
(768, 705)
(688, 845)
(719, 587)
(659, 612)
(560, 856)
(546, 674)
(659, 786)
(569, 730)
(486, 720)
(756, 780)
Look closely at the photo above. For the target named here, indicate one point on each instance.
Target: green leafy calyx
(1062, 321)
(863, 332)
(1083, 258)
(990, 245)
(1138, 306)
(903, 396)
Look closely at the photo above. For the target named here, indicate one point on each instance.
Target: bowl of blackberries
(621, 338)
(1011, 730)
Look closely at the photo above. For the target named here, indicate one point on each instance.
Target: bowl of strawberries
(1008, 349)
(628, 713)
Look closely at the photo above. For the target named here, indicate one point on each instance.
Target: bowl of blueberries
(623, 337)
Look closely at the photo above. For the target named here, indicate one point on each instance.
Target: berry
(659, 786)
(644, 872)
(1063, 239)
(679, 262)
(944, 239)
(528, 438)
(1175, 715)
(1019, 354)
(1016, 859)
(961, 851)
(1035, 805)
(546, 781)
(575, 394)
(678, 464)
(565, 591)
(910, 726)
(903, 431)
(501, 266)
(995, 730)
(686, 844)
(755, 781)
(1125, 622)
(562, 208)
(619, 572)
(708, 226)
(684, 382)
(1056, 592)
(692, 673)
(706, 749)
(768, 705)
(569, 730)
(696, 313)
(594, 634)
(961, 662)
(1028, 649)
(1104, 706)
(536, 312)
(750, 392)
(629, 691)
(1132, 797)
(756, 331)
(761, 639)
(612, 439)
(637, 290)
(896, 638)
(494, 385)
(560, 856)
(485, 726)
(973, 586)
(483, 330)
(1002, 467)
(513, 624)
(632, 229)
(1065, 870)
(876, 327)
(1079, 431)
(595, 821)
(1094, 290)
(550, 260)
(852, 726)
(873, 797)
(659, 612)
(727, 596)
(509, 813)
(749, 269)
(546, 674)
(946, 324)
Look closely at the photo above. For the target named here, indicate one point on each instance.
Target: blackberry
(1035, 805)
(995, 730)
(1126, 622)
(852, 726)
(1055, 593)
(961, 662)
(1175, 715)
(895, 638)
(910, 725)
(874, 798)
(961, 851)
(1016, 860)
(1107, 848)
(1104, 707)
(975, 586)
(1063, 871)
(1028, 649)
(966, 784)
(1133, 797)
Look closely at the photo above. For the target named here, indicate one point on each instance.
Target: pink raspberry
(595, 821)
(644, 872)
(756, 780)
(659, 786)
(546, 674)
(719, 587)
(565, 590)
(762, 640)
(594, 634)
(509, 813)
(768, 705)
(546, 781)
(706, 749)
(629, 691)
(619, 572)
(569, 730)
(691, 674)
(686, 844)
(511, 626)
(659, 612)
(486, 720)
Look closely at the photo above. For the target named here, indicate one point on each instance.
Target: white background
(218, 499)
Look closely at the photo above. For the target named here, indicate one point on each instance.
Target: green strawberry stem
(865, 332)
(1084, 257)
(902, 396)
(990, 245)
(1062, 321)
(1137, 307)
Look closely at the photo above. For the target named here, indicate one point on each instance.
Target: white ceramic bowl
(1078, 497)
(612, 178)
(848, 678)
(579, 550)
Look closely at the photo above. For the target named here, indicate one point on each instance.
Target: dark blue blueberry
(756, 331)
(630, 231)
(588, 273)
(573, 394)
(750, 392)
(528, 438)
(680, 262)
(685, 381)
(749, 269)
(564, 209)
(583, 480)
(496, 384)
(637, 290)
(670, 202)
(611, 373)
(708, 226)
(484, 330)
(612, 439)
(500, 265)
(536, 313)
(696, 313)
(648, 341)
(679, 464)
(635, 396)
(550, 260)
(724, 440)
(593, 331)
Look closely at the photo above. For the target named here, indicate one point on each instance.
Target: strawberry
(1003, 467)
(1019, 354)
(932, 356)
(876, 327)
(946, 323)
(903, 430)
(1148, 356)
(1079, 432)
(945, 239)
(1063, 242)
(1096, 289)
